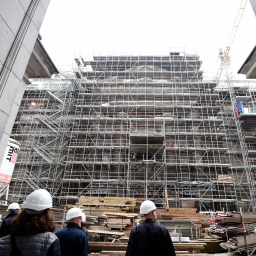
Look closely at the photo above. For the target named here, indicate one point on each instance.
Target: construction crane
(225, 59)
(225, 62)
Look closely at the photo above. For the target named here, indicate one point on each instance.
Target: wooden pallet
(107, 246)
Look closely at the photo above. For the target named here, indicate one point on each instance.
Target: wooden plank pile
(225, 178)
(236, 228)
(96, 206)
(109, 213)
(248, 217)
(106, 246)
(242, 243)
(109, 253)
(110, 220)
(122, 253)
(186, 214)
(120, 220)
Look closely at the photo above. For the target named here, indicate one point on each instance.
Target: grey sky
(79, 27)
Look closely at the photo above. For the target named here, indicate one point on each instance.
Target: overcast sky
(81, 27)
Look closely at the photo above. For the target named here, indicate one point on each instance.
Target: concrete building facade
(248, 68)
(253, 4)
(22, 56)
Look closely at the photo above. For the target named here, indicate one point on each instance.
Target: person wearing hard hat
(73, 239)
(149, 238)
(13, 210)
(32, 229)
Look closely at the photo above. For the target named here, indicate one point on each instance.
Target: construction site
(120, 128)
(144, 127)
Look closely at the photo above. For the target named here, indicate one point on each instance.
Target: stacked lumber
(186, 214)
(109, 253)
(101, 246)
(225, 178)
(122, 253)
(242, 243)
(106, 201)
(248, 217)
(120, 220)
(110, 220)
(98, 205)
(116, 223)
(103, 236)
(238, 228)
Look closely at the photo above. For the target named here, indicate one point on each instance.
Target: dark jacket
(150, 239)
(42, 244)
(6, 224)
(73, 240)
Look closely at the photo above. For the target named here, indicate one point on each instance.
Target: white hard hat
(13, 206)
(147, 207)
(38, 200)
(83, 218)
(75, 212)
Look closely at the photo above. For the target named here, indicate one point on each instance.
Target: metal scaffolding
(143, 126)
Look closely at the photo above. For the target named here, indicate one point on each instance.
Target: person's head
(148, 209)
(36, 215)
(75, 215)
(13, 208)
(37, 201)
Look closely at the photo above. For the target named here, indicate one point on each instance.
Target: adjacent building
(248, 68)
(22, 56)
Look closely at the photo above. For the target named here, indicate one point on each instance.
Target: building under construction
(144, 126)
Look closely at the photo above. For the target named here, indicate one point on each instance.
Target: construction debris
(238, 229)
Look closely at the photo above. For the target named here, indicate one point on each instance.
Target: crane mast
(225, 60)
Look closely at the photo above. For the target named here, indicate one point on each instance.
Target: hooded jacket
(150, 239)
(6, 224)
(73, 240)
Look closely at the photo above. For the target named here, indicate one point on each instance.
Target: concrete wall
(253, 4)
(20, 22)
